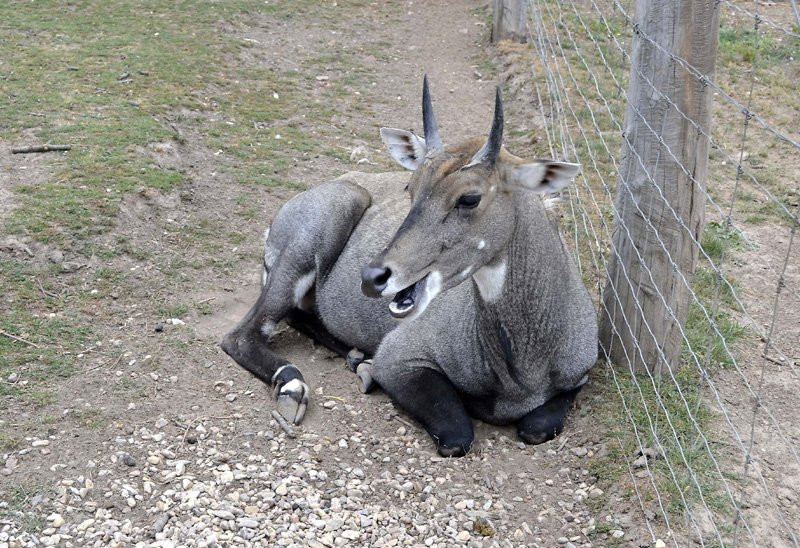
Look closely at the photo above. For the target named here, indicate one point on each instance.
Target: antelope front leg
(362, 367)
(431, 399)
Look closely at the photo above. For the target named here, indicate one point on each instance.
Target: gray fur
(544, 309)
(509, 323)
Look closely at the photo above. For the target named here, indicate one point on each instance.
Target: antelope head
(462, 214)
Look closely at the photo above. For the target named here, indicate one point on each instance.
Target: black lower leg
(310, 325)
(433, 401)
(250, 350)
(546, 421)
(247, 344)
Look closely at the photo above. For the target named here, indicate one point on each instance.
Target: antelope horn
(432, 140)
(490, 150)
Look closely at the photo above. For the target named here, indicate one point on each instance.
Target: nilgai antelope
(463, 294)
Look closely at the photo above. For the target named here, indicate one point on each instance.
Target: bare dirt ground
(161, 439)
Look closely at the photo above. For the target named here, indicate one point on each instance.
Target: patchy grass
(39, 345)
(176, 310)
(737, 45)
(18, 497)
(110, 93)
(591, 74)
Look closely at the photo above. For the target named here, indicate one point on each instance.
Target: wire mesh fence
(710, 441)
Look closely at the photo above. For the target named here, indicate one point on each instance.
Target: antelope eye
(469, 201)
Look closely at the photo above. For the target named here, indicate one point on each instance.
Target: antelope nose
(374, 279)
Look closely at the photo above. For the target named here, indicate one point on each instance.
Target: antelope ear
(541, 176)
(406, 148)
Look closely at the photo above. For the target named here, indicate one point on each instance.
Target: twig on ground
(40, 148)
(401, 420)
(776, 361)
(283, 424)
(44, 291)
(208, 300)
(96, 367)
(19, 339)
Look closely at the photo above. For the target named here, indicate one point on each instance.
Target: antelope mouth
(407, 300)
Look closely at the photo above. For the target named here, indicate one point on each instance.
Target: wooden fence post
(510, 20)
(656, 202)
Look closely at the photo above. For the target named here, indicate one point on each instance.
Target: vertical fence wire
(567, 101)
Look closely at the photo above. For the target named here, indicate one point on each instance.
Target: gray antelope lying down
(463, 294)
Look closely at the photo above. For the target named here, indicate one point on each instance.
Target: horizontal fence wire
(709, 486)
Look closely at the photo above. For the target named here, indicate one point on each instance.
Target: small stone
(85, 524)
(617, 533)
(226, 477)
(281, 489)
(230, 397)
(160, 523)
(463, 536)
(155, 460)
(12, 378)
(191, 439)
(562, 540)
(250, 523)
(55, 520)
(40, 443)
(159, 328)
(482, 527)
(223, 514)
(334, 524)
(660, 544)
(579, 451)
(161, 423)
(330, 404)
(128, 460)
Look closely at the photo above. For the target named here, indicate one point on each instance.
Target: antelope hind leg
(305, 238)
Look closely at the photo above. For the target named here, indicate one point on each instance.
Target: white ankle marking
(267, 328)
(294, 385)
(490, 280)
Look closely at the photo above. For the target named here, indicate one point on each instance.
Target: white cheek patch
(490, 280)
(433, 286)
(302, 286)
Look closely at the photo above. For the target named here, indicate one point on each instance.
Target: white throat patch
(490, 280)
